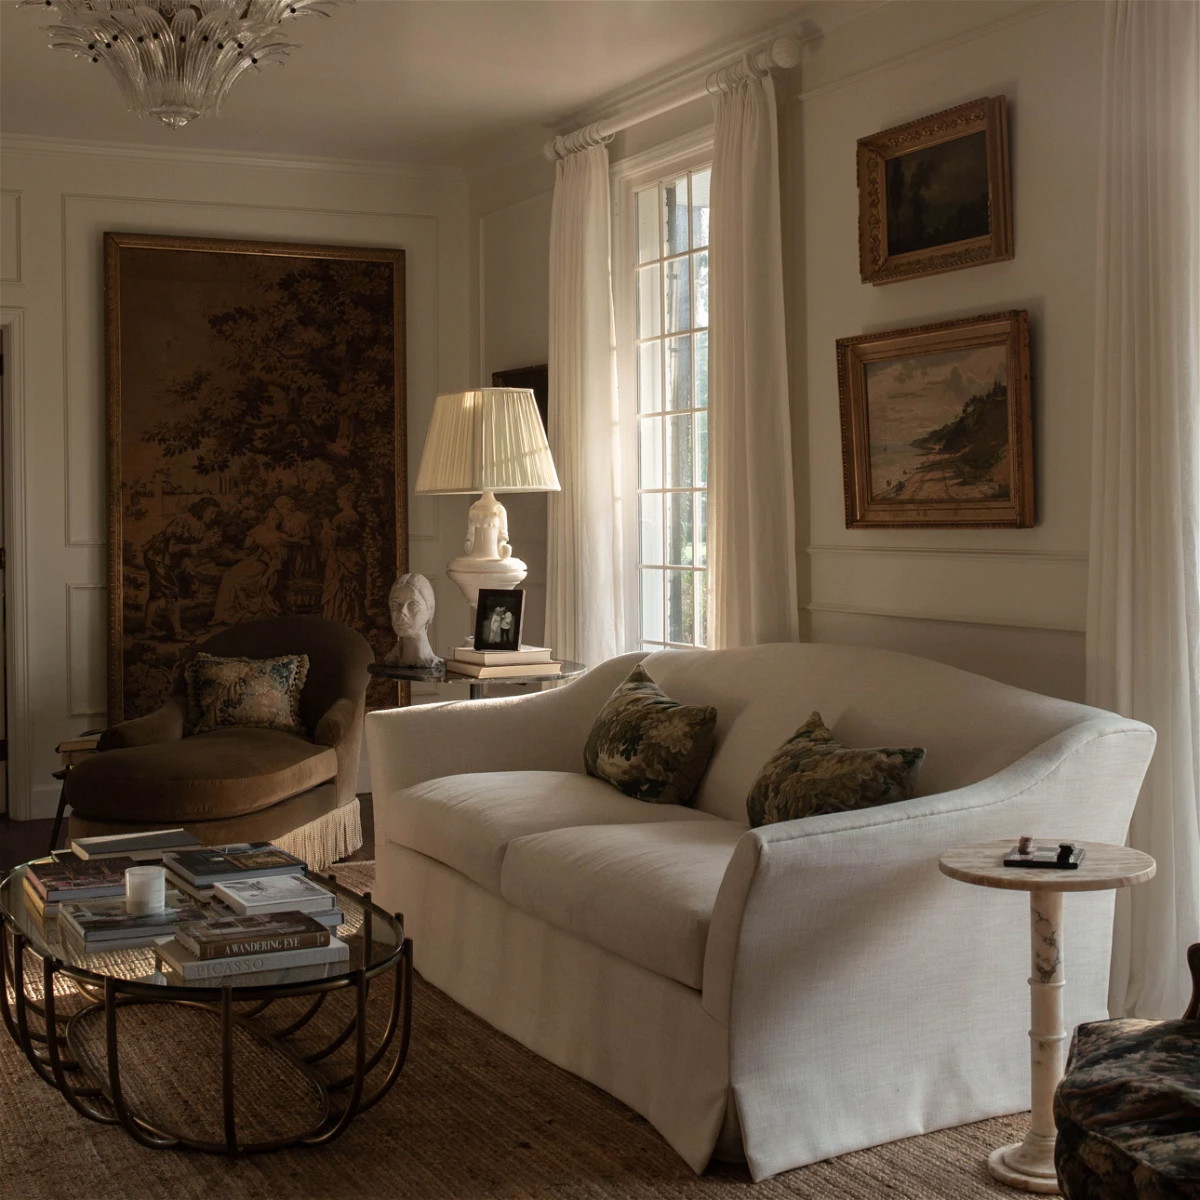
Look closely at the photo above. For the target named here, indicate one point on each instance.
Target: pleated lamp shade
(489, 439)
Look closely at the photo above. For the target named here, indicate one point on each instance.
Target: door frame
(16, 576)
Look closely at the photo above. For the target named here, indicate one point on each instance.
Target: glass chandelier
(176, 59)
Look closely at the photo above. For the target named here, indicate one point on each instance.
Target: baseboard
(43, 802)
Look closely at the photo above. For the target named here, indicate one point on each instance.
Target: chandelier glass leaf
(175, 60)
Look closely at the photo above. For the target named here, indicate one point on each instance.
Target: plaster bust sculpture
(411, 604)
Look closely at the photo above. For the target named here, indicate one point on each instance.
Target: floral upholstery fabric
(1128, 1112)
(647, 745)
(261, 693)
(812, 773)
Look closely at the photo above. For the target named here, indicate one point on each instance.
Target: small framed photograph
(498, 619)
(934, 194)
(937, 428)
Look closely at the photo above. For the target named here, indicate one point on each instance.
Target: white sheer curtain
(584, 606)
(1143, 628)
(752, 588)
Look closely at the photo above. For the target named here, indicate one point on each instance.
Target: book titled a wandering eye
(228, 935)
(281, 893)
(219, 863)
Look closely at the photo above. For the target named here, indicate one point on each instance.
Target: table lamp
(488, 440)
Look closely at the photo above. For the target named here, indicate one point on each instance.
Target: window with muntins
(670, 290)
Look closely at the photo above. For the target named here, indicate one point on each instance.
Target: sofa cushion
(224, 773)
(468, 821)
(812, 773)
(261, 693)
(649, 746)
(645, 892)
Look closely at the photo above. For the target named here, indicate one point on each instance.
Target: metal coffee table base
(54, 1050)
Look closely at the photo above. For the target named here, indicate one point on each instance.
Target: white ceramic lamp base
(489, 561)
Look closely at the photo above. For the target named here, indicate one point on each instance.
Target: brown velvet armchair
(241, 784)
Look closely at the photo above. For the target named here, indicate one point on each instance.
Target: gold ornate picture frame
(255, 445)
(937, 425)
(935, 194)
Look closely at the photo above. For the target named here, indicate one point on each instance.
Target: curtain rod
(782, 52)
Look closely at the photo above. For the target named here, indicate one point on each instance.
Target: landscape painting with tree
(936, 424)
(255, 444)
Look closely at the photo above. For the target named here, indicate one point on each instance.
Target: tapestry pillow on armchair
(647, 745)
(256, 692)
(813, 773)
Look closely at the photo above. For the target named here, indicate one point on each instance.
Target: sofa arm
(336, 722)
(545, 731)
(163, 725)
(839, 955)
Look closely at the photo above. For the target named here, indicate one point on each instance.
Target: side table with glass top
(1029, 1165)
(476, 685)
(64, 1008)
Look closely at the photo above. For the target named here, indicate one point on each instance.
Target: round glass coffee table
(227, 1070)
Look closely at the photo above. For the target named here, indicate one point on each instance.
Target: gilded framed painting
(937, 425)
(935, 194)
(255, 444)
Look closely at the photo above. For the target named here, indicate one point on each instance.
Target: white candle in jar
(145, 889)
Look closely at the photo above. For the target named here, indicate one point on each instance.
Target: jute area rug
(474, 1116)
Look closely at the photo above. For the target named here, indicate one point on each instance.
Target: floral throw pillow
(813, 773)
(259, 692)
(647, 745)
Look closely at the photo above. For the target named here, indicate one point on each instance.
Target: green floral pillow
(258, 692)
(813, 773)
(648, 746)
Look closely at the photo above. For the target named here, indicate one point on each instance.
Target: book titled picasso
(228, 936)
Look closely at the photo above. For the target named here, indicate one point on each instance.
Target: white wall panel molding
(939, 47)
(862, 610)
(87, 624)
(956, 551)
(228, 158)
(87, 216)
(16, 578)
(10, 236)
(1031, 590)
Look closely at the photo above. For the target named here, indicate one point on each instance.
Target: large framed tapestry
(255, 442)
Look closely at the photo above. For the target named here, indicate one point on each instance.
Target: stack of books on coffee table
(196, 872)
(48, 883)
(97, 926)
(500, 664)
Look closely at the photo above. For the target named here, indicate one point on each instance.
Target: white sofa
(791, 992)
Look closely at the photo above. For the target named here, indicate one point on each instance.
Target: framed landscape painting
(937, 426)
(934, 194)
(255, 444)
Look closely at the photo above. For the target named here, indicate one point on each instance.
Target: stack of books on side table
(253, 948)
(499, 664)
(97, 926)
(51, 881)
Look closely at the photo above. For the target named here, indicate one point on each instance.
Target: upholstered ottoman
(1128, 1112)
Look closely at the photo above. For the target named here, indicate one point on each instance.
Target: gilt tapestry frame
(255, 443)
(937, 425)
(935, 194)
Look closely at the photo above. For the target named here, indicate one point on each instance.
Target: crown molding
(28, 143)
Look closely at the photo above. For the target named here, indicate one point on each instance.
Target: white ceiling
(426, 82)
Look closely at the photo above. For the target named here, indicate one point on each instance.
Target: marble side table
(1029, 1165)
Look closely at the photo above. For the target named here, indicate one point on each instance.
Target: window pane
(675, 216)
(701, 185)
(701, 608)
(650, 526)
(700, 275)
(649, 397)
(650, 452)
(700, 460)
(679, 451)
(681, 607)
(679, 372)
(647, 223)
(679, 528)
(679, 302)
(649, 317)
(652, 605)
(701, 544)
(700, 344)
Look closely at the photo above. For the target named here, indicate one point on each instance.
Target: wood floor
(22, 840)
